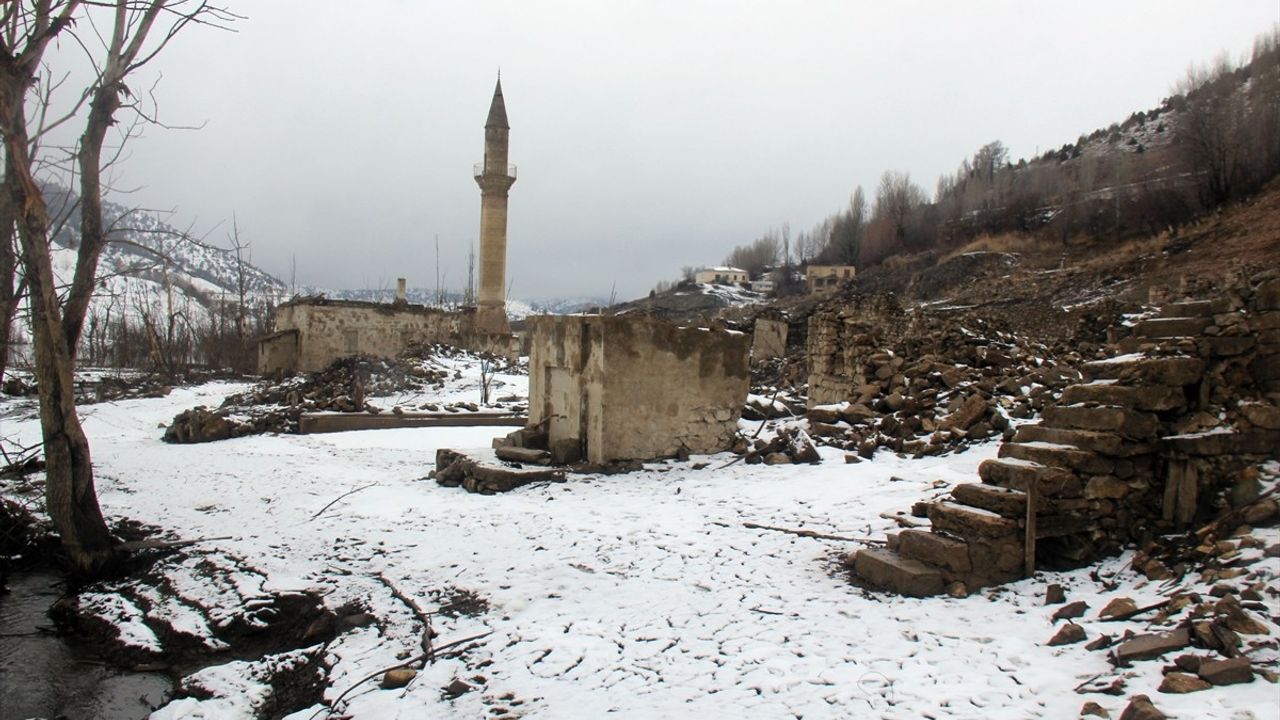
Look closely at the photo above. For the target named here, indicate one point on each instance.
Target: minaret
(495, 177)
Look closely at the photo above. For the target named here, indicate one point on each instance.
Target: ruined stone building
(615, 388)
(313, 332)
(495, 178)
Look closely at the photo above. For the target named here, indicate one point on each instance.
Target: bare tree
(139, 31)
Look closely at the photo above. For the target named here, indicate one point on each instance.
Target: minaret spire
(495, 178)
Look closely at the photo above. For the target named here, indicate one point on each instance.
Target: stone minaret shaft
(495, 178)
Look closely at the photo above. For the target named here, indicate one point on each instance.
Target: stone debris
(1145, 442)
(276, 406)
(1141, 708)
(1071, 611)
(1180, 682)
(1068, 634)
(1226, 672)
(477, 473)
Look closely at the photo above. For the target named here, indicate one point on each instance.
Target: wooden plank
(310, 424)
(1033, 502)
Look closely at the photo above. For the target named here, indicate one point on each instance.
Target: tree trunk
(9, 292)
(70, 497)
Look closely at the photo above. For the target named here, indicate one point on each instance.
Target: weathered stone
(777, 458)
(1106, 486)
(532, 456)
(1054, 594)
(969, 522)
(1063, 456)
(1261, 415)
(1145, 647)
(1019, 475)
(1133, 424)
(963, 417)
(934, 549)
(1255, 442)
(1104, 443)
(1093, 709)
(398, 678)
(1071, 611)
(1261, 512)
(1175, 371)
(1140, 708)
(1226, 672)
(1177, 682)
(891, 571)
(1158, 328)
(1068, 634)
(1148, 398)
(1118, 606)
(1005, 502)
(958, 590)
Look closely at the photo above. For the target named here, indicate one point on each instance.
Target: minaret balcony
(479, 172)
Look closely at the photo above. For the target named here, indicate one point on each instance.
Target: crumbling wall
(615, 388)
(278, 351)
(842, 340)
(769, 339)
(330, 329)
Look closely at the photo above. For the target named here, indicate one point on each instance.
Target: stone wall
(330, 329)
(620, 388)
(769, 339)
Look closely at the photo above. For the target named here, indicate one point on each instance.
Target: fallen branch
(136, 545)
(335, 500)
(423, 617)
(411, 661)
(810, 534)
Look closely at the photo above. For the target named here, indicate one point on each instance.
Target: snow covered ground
(638, 596)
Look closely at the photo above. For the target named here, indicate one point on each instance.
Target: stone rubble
(275, 406)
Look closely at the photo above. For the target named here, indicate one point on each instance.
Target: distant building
(821, 278)
(763, 285)
(722, 276)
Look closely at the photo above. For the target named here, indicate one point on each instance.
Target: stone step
(1103, 443)
(1229, 442)
(890, 571)
(1063, 456)
(970, 522)
(934, 549)
(1102, 418)
(1147, 398)
(1171, 327)
(1192, 308)
(1017, 474)
(1140, 369)
(1002, 501)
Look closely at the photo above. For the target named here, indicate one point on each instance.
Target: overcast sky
(648, 135)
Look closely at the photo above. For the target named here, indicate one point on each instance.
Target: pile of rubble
(1168, 432)
(927, 381)
(276, 406)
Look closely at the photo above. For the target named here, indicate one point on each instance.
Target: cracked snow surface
(640, 595)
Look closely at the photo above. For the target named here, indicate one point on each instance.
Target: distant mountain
(516, 309)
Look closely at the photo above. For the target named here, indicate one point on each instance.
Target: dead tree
(139, 31)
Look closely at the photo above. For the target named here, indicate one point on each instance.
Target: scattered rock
(1119, 606)
(1226, 672)
(1068, 634)
(1054, 594)
(1140, 708)
(1178, 682)
(1071, 611)
(1094, 709)
(1145, 647)
(457, 688)
(398, 678)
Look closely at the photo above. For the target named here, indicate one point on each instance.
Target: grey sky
(648, 135)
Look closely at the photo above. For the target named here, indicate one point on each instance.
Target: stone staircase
(1108, 464)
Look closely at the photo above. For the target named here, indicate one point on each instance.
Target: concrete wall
(820, 278)
(330, 329)
(613, 388)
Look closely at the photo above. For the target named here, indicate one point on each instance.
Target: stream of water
(46, 676)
